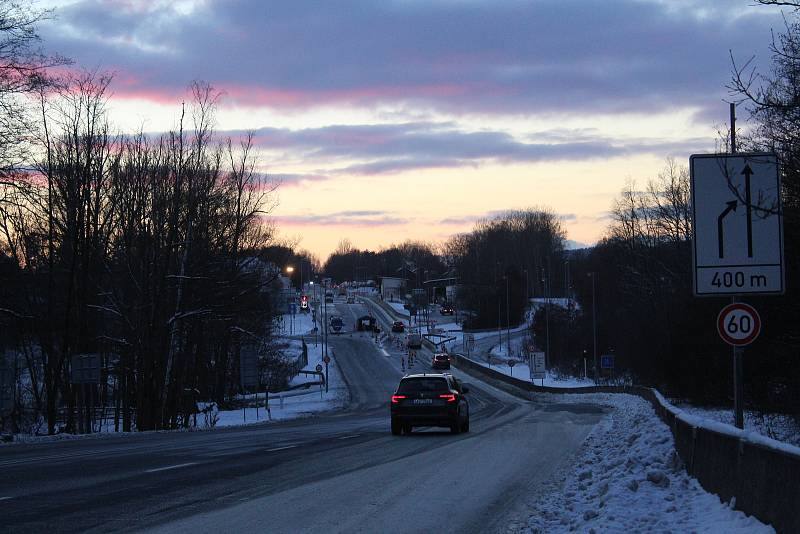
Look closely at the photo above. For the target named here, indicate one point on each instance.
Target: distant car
(351, 300)
(446, 309)
(398, 326)
(429, 400)
(440, 360)
(336, 323)
(366, 323)
(414, 340)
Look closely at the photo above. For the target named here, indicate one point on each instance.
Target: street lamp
(314, 312)
(508, 322)
(593, 275)
(290, 270)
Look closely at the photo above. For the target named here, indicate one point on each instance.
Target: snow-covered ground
(294, 405)
(297, 324)
(398, 308)
(556, 301)
(553, 380)
(776, 426)
(628, 478)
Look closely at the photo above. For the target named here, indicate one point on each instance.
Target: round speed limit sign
(738, 324)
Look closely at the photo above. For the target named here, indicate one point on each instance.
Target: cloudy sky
(388, 120)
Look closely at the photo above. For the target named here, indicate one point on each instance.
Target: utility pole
(499, 325)
(594, 325)
(508, 321)
(546, 290)
(738, 365)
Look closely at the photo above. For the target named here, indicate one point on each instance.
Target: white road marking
(157, 469)
(5, 498)
(385, 353)
(282, 448)
(349, 437)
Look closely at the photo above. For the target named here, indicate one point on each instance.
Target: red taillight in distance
(449, 397)
(397, 398)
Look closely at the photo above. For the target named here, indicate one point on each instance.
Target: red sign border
(721, 324)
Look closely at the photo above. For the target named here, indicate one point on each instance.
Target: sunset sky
(411, 119)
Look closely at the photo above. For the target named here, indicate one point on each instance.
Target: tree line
(646, 313)
(147, 251)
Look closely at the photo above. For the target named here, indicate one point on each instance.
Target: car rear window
(422, 385)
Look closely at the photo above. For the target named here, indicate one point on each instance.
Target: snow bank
(780, 427)
(627, 477)
(297, 324)
(398, 308)
(294, 405)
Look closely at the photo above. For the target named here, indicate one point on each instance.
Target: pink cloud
(128, 86)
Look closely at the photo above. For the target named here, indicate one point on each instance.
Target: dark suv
(440, 360)
(429, 400)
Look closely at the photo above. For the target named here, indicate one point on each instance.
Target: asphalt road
(337, 472)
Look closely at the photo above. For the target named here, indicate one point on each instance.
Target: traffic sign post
(469, 343)
(536, 364)
(738, 324)
(327, 360)
(737, 223)
(737, 240)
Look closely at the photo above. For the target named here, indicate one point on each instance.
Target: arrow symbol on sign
(731, 207)
(747, 171)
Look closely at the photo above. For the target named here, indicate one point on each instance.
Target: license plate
(423, 401)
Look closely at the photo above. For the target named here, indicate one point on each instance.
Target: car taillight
(396, 398)
(449, 397)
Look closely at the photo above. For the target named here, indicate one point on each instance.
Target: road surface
(337, 472)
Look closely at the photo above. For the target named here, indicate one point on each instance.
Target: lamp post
(499, 315)
(290, 270)
(314, 312)
(546, 287)
(593, 275)
(508, 322)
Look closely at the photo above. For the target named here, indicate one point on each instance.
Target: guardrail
(760, 476)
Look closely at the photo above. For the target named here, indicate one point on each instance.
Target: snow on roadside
(780, 427)
(298, 324)
(295, 406)
(522, 371)
(627, 477)
(398, 308)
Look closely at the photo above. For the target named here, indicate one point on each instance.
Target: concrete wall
(761, 474)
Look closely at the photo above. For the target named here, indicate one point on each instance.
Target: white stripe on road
(349, 437)
(282, 448)
(157, 469)
(384, 352)
(5, 498)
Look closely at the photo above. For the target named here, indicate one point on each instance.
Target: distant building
(393, 289)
